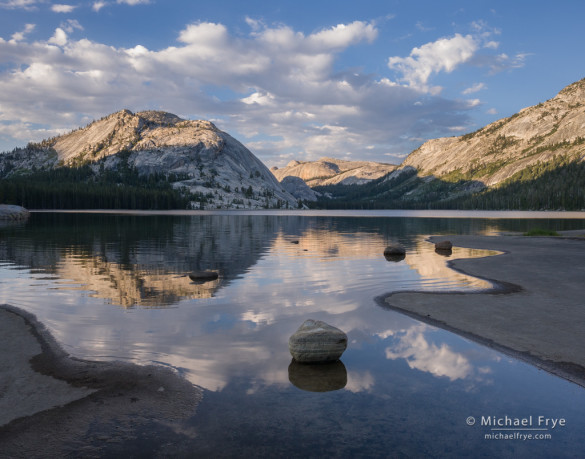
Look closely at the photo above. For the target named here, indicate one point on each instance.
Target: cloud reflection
(425, 356)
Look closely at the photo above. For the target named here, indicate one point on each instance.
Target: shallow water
(115, 287)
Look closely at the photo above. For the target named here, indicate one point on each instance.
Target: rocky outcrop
(316, 341)
(203, 160)
(330, 171)
(497, 151)
(299, 189)
(13, 213)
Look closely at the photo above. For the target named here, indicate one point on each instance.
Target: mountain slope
(330, 171)
(207, 165)
(499, 150)
(531, 160)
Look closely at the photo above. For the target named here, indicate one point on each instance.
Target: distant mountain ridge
(206, 165)
(331, 171)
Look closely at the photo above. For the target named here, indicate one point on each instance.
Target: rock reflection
(444, 252)
(322, 377)
(395, 258)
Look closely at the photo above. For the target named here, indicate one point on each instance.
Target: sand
(536, 310)
(52, 405)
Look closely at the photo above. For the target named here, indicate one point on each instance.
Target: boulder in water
(316, 341)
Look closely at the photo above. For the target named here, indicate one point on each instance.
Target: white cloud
(492, 111)
(59, 38)
(282, 86)
(19, 4)
(444, 54)
(18, 36)
(475, 88)
(133, 2)
(60, 8)
(70, 25)
(98, 5)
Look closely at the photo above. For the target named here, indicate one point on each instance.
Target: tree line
(82, 188)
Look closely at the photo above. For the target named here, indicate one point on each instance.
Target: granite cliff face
(330, 171)
(541, 133)
(204, 160)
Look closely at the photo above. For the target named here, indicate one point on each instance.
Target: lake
(113, 286)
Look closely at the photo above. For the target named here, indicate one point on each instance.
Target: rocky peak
(159, 118)
(216, 169)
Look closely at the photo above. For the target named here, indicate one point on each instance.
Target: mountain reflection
(143, 261)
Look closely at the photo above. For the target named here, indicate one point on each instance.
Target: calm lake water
(114, 287)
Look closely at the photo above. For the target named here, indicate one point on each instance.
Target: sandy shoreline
(55, 405)
(535, 312)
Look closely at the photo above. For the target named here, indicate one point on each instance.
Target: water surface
(114, 286)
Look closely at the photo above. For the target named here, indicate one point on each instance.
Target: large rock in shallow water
(315, 341)
(443, 245)
(11, 212)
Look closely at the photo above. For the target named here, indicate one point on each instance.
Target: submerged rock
(12, 212)
(316, 341)
(318, 378)
(203, 276)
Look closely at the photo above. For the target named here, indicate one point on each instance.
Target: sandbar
(54, 405)
(535, 310)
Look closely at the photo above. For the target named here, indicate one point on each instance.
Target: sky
(368, 80)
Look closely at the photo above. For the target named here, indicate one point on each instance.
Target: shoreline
(51, 403)
(533, 312)
(382, 213)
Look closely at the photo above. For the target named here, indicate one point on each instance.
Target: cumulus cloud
(443, 55)
(60, 8)
(59, 38)
(284, 94)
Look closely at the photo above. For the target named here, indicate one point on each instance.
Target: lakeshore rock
(199, 276)
(443, 245)
(316, 341)
(12, 212)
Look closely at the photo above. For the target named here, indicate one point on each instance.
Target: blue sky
(367, 80)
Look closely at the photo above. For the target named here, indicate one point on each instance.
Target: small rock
(205, 276)
(316, 341)
(443, 245)
(294, 242)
